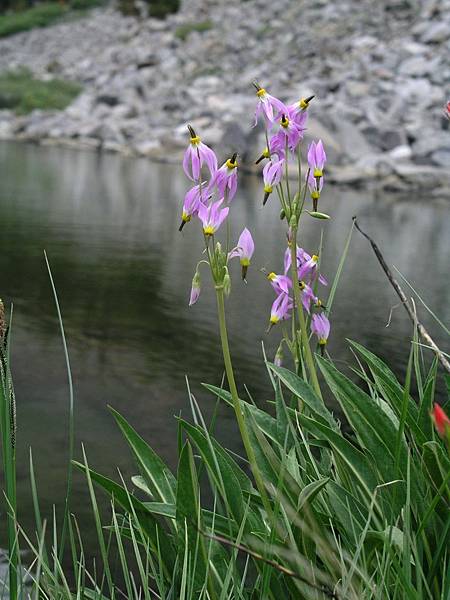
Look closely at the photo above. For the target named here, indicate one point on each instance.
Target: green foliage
(359, 515)
(161, 8)
(40, 15)
(184, 30)
(20, 91)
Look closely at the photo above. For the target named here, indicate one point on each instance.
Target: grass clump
(38, 16)
(21, 92)
(161, 8)
(42, 15)
(184, 30)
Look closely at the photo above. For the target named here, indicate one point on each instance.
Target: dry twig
(401, 294)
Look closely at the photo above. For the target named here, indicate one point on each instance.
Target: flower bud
(278, 360)
(227, 283)
(195, 289)
(282, 214)
(318, 215)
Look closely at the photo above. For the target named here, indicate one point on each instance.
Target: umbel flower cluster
(212, 194)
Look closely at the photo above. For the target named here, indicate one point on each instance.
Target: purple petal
(246, 243)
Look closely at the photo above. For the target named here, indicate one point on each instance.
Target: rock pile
(379, 71)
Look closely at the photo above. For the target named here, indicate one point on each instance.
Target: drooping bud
(196, 288)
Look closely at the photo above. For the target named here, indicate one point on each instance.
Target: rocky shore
(380, 72)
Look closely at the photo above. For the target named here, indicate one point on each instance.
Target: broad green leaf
(303, 390)
(266, 422)
(357, 463)
(375, 429)
(348, 510)
(157, 475)
(158, 538)
(227, 475)
(391, 389)
(188, 516)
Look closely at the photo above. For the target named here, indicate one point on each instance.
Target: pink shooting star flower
(315, 185)
(212, 217)
(195, 289)
(280, 283)
(244, 249)
(302, 257)
(197, 154)
(280, 309)
(316, 158)
(226, 178)
(307, 295)
(272, 173)
(447, 110)
(309, 269)
(298, 111)
(320, 326)
(289, 132)
(191, 203)
(277, 146)
(268, 106)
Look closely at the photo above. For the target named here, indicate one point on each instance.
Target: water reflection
(123, 272)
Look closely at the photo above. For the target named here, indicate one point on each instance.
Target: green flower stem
(301, 317)
(236, 402)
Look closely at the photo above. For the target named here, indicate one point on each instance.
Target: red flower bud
(441, 421)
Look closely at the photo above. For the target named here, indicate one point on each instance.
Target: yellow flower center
(185, 217)
(319, 303)
(303, 103)
(266, 153)
(230, 164)
(261, 92)
(318, 172)
(322, 342)
(302, 285)
(208, 230)
(245, 262)
(195, 140)
(314, 258)
(268, 189)
(271, 276)
(284, 122)
(315, 194)
(274, 319)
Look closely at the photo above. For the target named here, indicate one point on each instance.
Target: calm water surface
(123, 274)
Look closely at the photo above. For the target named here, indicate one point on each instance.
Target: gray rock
(436, 32)
(441, 158)
(351, 140)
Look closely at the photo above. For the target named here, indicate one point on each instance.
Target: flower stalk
(236, 402)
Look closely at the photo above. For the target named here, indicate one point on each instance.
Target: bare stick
(401, 294)
(324, 589)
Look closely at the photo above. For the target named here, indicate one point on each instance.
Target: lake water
(123, 273)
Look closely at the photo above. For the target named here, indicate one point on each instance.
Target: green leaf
(376, 430)
(358, 465)
(265, 421)
(188, 516)
(304, 391)
(158, 477)
(226, 474)
(391, 389)
(159, 541)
